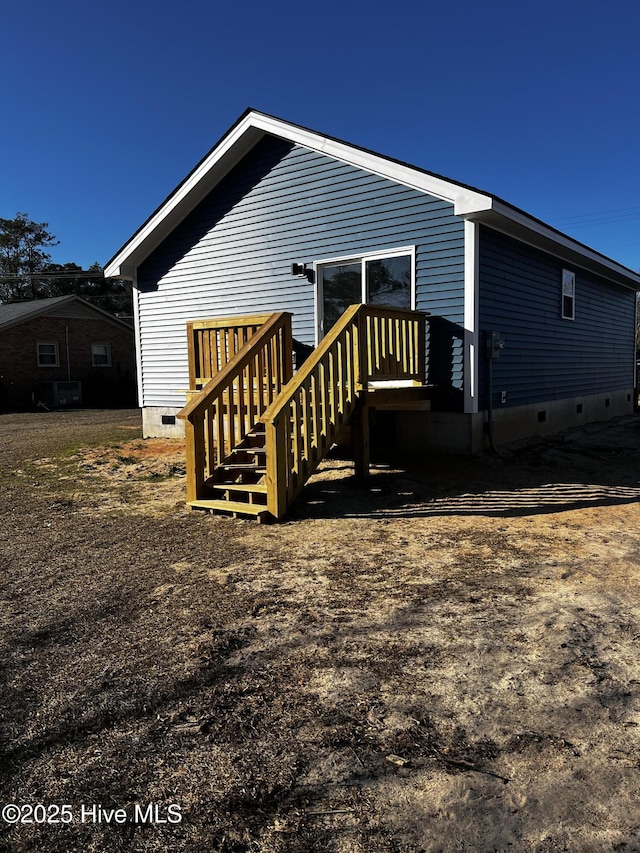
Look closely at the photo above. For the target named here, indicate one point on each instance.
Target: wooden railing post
(422, 348)
(287, 354)
(195, 456)
(361, 350)
(191, 354)
(360, 441)
(276, 448)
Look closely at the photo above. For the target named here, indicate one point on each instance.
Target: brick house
(62, 352)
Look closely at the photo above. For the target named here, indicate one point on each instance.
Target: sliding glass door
(380, 279)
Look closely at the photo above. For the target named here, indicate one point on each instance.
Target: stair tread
(229, 506)
(249, 450)
(258, 488)
(243, 466)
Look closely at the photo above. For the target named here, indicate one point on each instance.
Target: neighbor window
(381, 278)
(100, 355)
(568, 295)
(48, 354)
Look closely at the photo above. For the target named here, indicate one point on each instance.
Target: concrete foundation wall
(153, 427)
(434, 432)
(512, 424)
(448, 432)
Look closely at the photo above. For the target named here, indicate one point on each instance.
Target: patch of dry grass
(446, 660)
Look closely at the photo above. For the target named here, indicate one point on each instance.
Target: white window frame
(568, 289)
(363, 257)
(56, 350)
(93, 354)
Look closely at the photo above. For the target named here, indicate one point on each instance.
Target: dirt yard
(446, 660)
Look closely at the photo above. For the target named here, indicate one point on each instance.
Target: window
(568, 295)
(383, 278)
(100, 355)
(48, 354)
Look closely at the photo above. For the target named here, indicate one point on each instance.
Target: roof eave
(43, 308)
(229, 151)
(236, 143)
(516, 223)
(468, 202)
(36, 311)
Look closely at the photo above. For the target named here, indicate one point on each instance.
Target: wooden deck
(255, 433)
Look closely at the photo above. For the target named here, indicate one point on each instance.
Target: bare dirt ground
(445, 660)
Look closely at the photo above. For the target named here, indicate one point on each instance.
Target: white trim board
(471, 333)
(237, 142)
(468, 202)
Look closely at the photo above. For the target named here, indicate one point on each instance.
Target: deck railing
(395, 343)
(214, 343)
(243, 386)
(367, 343)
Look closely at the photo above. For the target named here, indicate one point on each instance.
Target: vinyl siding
(546, 357)
(282, 204)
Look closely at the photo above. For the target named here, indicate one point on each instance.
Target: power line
(98, 275)
(602, 217)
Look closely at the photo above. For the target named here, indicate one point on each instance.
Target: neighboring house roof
(468, 202)
(15, 313)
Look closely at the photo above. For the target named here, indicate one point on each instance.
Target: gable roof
(15, 313)
(468, 202)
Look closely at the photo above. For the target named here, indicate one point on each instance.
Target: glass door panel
(341, 287)
(389, 281)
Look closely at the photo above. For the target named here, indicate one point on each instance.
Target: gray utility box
(68, 393)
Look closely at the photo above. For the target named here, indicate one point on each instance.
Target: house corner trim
(471, 298)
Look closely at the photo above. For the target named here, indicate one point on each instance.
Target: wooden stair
(237, 485)
(255, 433)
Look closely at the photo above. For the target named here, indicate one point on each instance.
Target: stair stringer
(303, 422)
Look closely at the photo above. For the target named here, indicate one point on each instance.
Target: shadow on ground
(593, 466)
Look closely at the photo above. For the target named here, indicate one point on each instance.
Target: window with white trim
(568, 295)
(380, 278)
(48, 355)
(100, 355)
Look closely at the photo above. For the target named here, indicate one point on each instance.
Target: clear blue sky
(106, 107)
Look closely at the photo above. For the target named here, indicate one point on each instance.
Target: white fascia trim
(543, 230)
(471, 313)
(465, 201)
(118, 267)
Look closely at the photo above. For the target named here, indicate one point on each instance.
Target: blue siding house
(271, 194)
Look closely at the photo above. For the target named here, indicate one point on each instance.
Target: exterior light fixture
(303, 270)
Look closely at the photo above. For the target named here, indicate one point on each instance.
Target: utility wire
(98, 276)
(602, 217)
